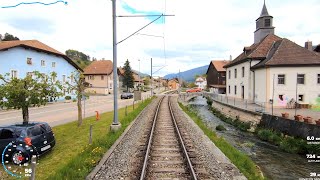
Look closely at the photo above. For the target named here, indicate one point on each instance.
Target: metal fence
(237, 102)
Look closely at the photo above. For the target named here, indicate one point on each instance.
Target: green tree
(146, 81)
(128, 80)
(78, 85)
(33, 90)
(81, 59)
(192, 85)
(9, 37)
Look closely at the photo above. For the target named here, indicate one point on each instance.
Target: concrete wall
(290, 127)
(260, 86)
(16, 59)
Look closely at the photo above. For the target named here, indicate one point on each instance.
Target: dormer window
(267, 22)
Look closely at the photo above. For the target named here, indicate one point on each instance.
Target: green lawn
(73, 157)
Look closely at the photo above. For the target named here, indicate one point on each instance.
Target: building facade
(99, 74)
(21, 58)
(216, 77)
(201, 82)
(274, 70)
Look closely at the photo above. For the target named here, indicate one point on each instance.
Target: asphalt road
(61, 113)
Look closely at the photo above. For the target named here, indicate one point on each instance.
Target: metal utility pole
(151, 79)
(139, 75)
(115, 124)
(296, 103)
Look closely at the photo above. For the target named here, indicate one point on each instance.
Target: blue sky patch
(134, 11)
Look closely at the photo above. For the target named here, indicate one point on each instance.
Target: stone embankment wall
(237, 113)
(290, 127)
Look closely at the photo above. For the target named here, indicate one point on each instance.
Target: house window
(267, 22)
(235, 73)
(300, 79)
(223, 82)
(29, 61)
(14, 74)
(43, 63)
(110, 77)
(235, 90)
(281, 78)
(53, 64)
(110, 87)
(229, 74)
(300, 97)
(229, 89)
(318, 78)
(102, 77)
(63, 78)
(91, 77)
(242, 71)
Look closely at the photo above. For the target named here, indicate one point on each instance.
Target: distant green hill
(189, 75)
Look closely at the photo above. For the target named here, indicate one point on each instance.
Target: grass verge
(242, 161)
(72, 157)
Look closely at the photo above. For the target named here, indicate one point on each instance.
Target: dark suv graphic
(30, 139)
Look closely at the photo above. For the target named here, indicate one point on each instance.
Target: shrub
(67, 98)
(220, 128)
(209, 102)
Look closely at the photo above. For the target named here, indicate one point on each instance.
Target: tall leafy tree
(33, 90)
(77, 84)
(9, 37)
(128, 80)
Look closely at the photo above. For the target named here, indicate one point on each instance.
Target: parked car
(126, 95)
(193, 90)
(34, 138)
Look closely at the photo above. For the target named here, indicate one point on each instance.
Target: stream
(274, 163)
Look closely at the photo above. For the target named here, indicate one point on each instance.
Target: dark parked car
(126, 95)
(30, 139)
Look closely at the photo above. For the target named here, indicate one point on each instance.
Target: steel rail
(144, 168)
(194, 176)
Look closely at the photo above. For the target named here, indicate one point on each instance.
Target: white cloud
(199, 32)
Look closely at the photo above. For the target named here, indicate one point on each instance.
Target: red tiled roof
(287, 53)
(219, 65)
(255, 51)
(35, 45)
(99, 67)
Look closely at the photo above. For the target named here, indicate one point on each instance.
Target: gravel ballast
(120, 162)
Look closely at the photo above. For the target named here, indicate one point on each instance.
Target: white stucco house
(201, 82)
(20, 58)
(274, 69)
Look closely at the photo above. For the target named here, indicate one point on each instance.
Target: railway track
(166, 155)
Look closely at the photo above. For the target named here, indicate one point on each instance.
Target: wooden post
(90, 134)
(133, 105)
(33, 167)
(126, 111)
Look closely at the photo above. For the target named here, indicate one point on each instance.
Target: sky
(199, 31)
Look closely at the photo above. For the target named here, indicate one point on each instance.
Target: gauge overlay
(16, 159)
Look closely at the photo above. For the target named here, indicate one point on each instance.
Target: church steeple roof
(264, 11)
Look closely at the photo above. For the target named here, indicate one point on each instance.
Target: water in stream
(274, 163)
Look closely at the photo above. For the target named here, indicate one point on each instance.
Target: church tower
(264, 25)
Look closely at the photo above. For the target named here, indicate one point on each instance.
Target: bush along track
(243, 126)
(73, 157)
(287, 143)
(240, 160)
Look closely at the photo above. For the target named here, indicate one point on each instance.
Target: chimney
(308, 45)
(230, 58)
